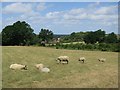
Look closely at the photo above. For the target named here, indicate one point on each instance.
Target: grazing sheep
(102, 59)
(46, 70)
(39, 66)
(63, 59)
(18, 67)
(82, 59)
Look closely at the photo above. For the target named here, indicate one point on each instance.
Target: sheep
(46, 70)
(63, 59)
(39, 66)
(18, 67)
(102, 59)
(82, 59)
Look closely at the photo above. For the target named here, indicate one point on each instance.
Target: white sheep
(18, 67)
(63, 59)
(42, 68)
(46, 70)
(102, 59)
(39, 66)
(82, 59)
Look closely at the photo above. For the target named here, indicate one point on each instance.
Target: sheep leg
(83, 61)
(59, 62)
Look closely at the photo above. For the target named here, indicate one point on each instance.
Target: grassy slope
(89, 75)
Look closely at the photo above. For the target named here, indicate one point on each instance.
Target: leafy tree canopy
(46, 35)
(111, 38)
(20, 33)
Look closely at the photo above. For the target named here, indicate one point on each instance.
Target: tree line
(21, 33)
(92, 37)
(92, 40)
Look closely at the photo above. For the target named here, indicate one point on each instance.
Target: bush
(89, 46)
(80, 46)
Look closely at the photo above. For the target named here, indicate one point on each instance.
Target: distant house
(43, 43)
(58, 40)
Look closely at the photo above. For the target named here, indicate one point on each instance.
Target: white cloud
(54, 15)
(77, 11)
(41, 7)
(94, 4)
(103, 16)
(76, 17)
(30, 15)
(18, 8)
(107, 10)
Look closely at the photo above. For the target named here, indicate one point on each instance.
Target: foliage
(73, 37)
(20, 33)
(100, 35)
(90, 38)
(46, 35)
(96, 36)
(35, 40)
(81, 46)
(111, 38)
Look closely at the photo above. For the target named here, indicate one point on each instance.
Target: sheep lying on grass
(39, 66)
(102, 59)
(46, 70)
(42, 68)
(18, 67)
(82, 59)
(63, 59)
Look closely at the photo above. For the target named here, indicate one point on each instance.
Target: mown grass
(91, 74)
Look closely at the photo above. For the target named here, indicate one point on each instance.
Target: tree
(35, 40)
(90, 38)
(45, 35)
(20, 33)
(96, 36)
(100, 35)
(111, 38)
(76, 37)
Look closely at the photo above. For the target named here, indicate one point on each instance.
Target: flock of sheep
(65, 59)
(42, 68)
(25, 67)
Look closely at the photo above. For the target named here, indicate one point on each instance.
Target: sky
(63, 17)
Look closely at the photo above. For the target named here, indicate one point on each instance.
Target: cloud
(75, 17)
(54, 15)
(101, 14)
(95, 4)
(78, 15)
(107, 10)
(77, 11)
(41, 7)
(30, 15)
(17, 8)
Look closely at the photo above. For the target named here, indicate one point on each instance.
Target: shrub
(80, 46)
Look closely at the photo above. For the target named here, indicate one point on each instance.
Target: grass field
(91, 74)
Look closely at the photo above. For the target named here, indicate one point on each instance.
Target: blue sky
(63, 17)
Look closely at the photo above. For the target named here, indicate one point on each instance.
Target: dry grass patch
(91, 74)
